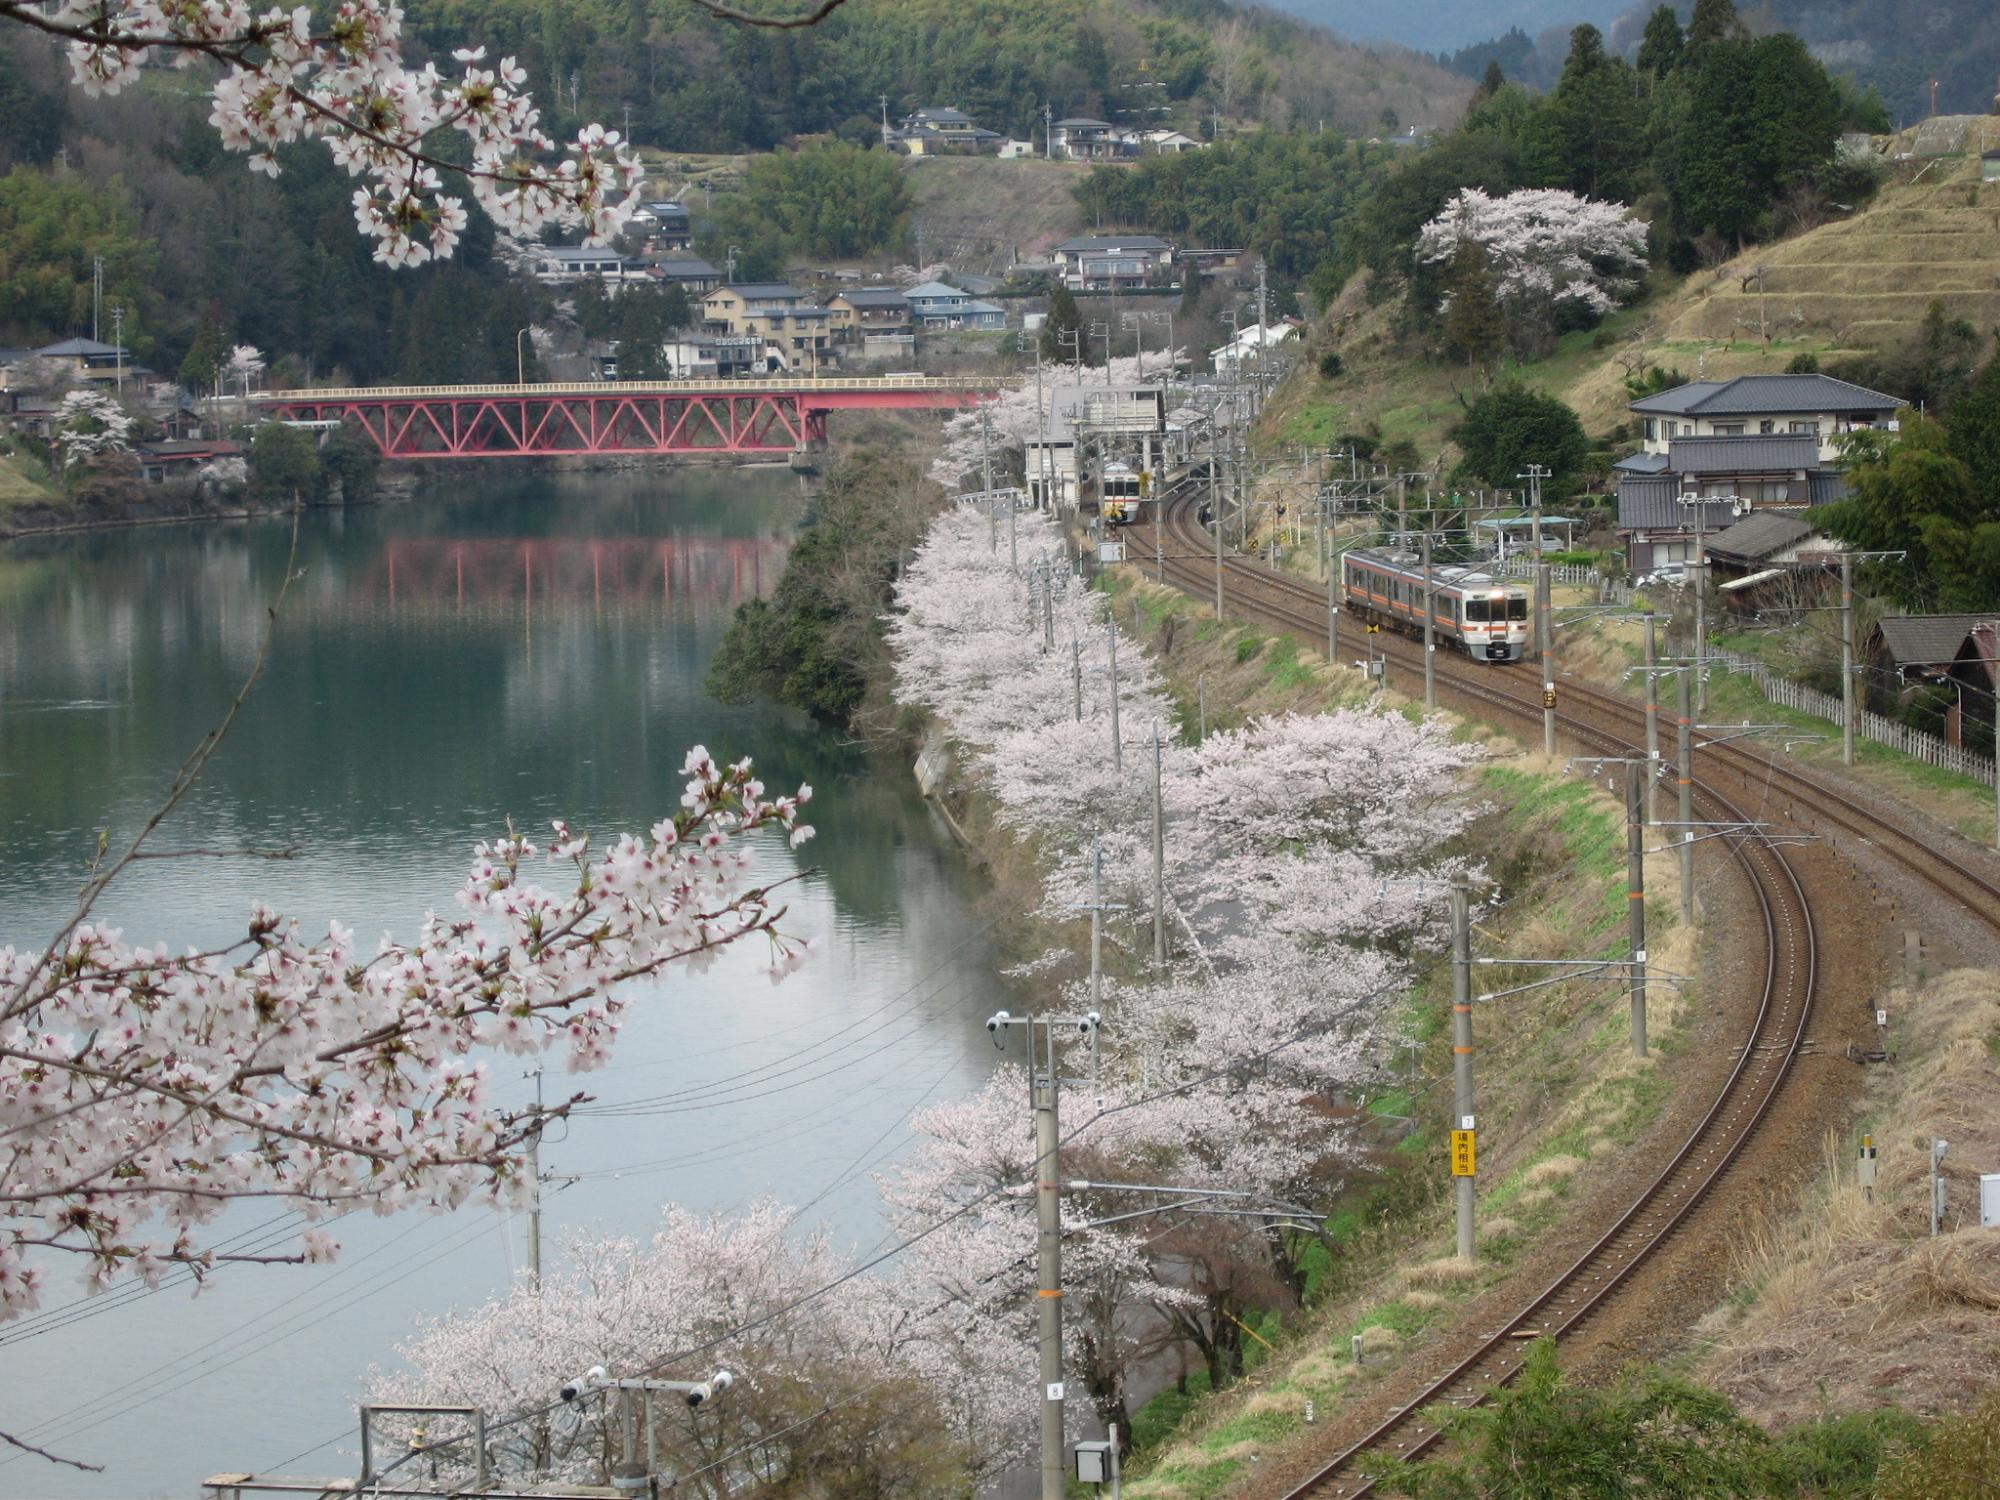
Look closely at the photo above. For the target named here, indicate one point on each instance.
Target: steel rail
(1710, 1148)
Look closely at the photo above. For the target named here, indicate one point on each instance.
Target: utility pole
(1048, 134)
(1215, 515)
(1045, 1084)
(1048, 605)
(118, 338)
(1847, 659)
(1117, 743)
(986, 479)
(96, 297)
(1201, 706)
(1332, 612)
(1698, 579)
(1683, 772)
(1461, 1050)
(1535, 474)
(535, 1204)
(1635, 894)
(1430, 631)
(1159, 860)
(1652, 723)
(1076, 675)
(1048, 1258)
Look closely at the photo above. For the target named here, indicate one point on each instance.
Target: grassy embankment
(1858, 285)
(1842, 1303)
(24, 486)
(1557, 1085)
(1602, 651)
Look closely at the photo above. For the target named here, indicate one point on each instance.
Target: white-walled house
(1764, 406)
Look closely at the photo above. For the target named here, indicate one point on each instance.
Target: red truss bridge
(775, 417)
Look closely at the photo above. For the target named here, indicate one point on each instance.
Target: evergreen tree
(205, 357)
(1660, 51)
(1474, 328)
(1974, 427)
(284, 464)
(642, 330)
(1062, 330)
(1588, 136)
(1741, 124)
(1494, 79)
(1511, 427)
(1713, 21)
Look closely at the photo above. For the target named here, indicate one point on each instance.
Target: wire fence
(1915, 743)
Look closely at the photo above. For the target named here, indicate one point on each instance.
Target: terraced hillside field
(1858, 284)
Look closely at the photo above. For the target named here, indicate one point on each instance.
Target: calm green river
(525, 648)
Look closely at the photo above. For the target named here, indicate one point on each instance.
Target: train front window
(1475, 611)
(1517, 607)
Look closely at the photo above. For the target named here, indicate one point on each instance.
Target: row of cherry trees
(1302, 868)
(1301, 858)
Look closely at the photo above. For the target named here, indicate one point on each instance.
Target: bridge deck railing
(603, 388)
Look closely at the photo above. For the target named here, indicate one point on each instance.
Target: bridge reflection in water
(441, 572)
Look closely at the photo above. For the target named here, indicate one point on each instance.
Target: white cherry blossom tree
(143, 1089)
(90, 424)
(339, 76)
(243, 367)
(1546, 248)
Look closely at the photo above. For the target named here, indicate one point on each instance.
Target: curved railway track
(1753, 1083)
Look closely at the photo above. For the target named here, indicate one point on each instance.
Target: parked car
(1666, 576)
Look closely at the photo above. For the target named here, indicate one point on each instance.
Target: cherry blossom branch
(183, 782)
(54, 1458)
(812, 17)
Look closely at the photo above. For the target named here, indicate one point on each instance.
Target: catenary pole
(1684, 778)
(1635, 894)
(1215, 515)
(1048, 1254)
(1159, 860)
(1652, 721)
(1847, 658)
(1461, 1048)
(1430, 630)
(1117, 740)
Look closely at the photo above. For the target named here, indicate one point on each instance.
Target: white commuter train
(1485, 615)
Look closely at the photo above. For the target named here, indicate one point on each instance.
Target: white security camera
(715, 1385)
(585, 1383)
(998, 1019)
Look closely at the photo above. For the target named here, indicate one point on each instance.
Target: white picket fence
(1870, 726)
(1608, 590)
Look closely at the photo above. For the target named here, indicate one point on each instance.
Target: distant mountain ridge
(1895, 46)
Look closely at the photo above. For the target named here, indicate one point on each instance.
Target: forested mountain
(1899, 46)
(693, 83)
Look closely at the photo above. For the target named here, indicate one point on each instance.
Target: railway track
(1614, 724)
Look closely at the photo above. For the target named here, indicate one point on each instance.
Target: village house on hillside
(942, 132)
(935, 307)
(868, 310)
(1113, 262)
(566, 265)
(1729, 448)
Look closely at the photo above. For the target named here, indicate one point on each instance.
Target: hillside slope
(981, 215)
(1858, 286)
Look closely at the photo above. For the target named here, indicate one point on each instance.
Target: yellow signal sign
(1464, 1154)
(1548, 697)
(1374, 629)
